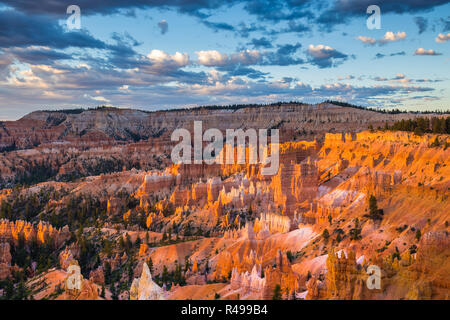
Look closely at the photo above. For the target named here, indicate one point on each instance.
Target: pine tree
(277, 293)
(121, 243)
(107, 272)
(102, 293)
(128, 243)
(150, 264)
(374, 212)
(435, 143)
(325, 234)
(138, 242)
(418, 234)
(165, 275)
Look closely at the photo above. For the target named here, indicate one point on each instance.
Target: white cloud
(423, 52)
(388, 37)
(324, 56)
(214, 75)
(47, 69)
(161, 59)
(96, 98)
(27, 79)
(367, 40)
(320, 51)
(211, 58)
(441, 38)
(124, 88)
(391, 37)
(247, 57)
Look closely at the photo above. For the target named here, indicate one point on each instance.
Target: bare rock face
(143, 249)
(316, 289)
(11, 231)
(429, 272)
(97, 276)
(224, 265)
(249, 283)
(65, 258)
(273, 223)
(295, 182)
(144, 288)
(283, 275)
(87, 290)
(5, 261)
(241, 224)
(341, 275)
(125, 295)
(71, 145)
(109, 124)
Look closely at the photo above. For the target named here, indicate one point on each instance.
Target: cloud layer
(259, 57)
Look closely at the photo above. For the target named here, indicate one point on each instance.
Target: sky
(155, 54)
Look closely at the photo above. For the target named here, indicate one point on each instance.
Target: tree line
(437, 125)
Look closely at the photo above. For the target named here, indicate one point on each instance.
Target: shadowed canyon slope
(108, 124)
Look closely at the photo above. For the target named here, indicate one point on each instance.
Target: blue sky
(154, 54)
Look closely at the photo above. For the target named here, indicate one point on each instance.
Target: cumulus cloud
(213, 58)
(441, 38)
(163, 26)
(285, 55)
(324, 56)
(392, 37)
(388, 37)
(162, 60)
(247, 57)
(423, 52)
(236, 64)
(367, 40)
